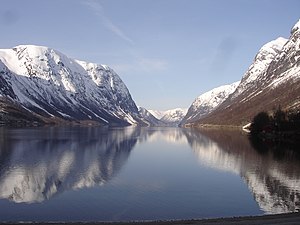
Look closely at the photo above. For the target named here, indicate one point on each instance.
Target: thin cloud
(153, 64)
(98, 10)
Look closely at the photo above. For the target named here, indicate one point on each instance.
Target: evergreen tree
(260, 122)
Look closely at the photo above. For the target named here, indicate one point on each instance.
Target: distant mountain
(149, 119)
(272, 80)
(157, 113)
(43, 85)
(173, 117)
(208, 102)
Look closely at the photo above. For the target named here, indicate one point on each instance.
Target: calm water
(96, 174)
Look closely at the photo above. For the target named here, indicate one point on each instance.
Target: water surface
(120, 174)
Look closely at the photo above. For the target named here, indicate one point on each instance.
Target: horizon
(166, 52)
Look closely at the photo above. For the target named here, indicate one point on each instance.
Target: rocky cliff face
(51, 86)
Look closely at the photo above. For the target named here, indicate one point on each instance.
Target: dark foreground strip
(279, 219)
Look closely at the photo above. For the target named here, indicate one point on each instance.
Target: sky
(167, 52)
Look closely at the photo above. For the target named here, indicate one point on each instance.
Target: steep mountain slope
(208, 102)
(272, 80)
(14, 115)
(149, 119)
(173, 117)
(50, 85)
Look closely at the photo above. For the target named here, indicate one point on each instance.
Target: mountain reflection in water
(274, 182)
(37, 164)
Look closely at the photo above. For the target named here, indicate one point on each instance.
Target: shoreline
(273, 219)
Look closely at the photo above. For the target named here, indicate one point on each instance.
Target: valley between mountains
(40, 85)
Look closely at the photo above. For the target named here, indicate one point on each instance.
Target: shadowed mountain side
(273, 182)
(13, 114)
(49, 161)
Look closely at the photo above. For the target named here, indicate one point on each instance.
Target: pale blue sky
(167, 52)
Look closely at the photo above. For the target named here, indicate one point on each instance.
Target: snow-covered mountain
(149, 119)
(262, 60)
(208, 102)
(48, 85)
(173, 117)
(272, 80)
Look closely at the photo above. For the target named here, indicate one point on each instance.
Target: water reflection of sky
(80, 174)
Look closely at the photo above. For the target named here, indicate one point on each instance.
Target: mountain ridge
(173, 117)
(208, 102)
(51, 85)
(42, 85)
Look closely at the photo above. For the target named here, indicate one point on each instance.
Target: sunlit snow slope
(208, 102)
(48, 84)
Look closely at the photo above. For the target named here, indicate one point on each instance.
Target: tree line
(276, 123)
